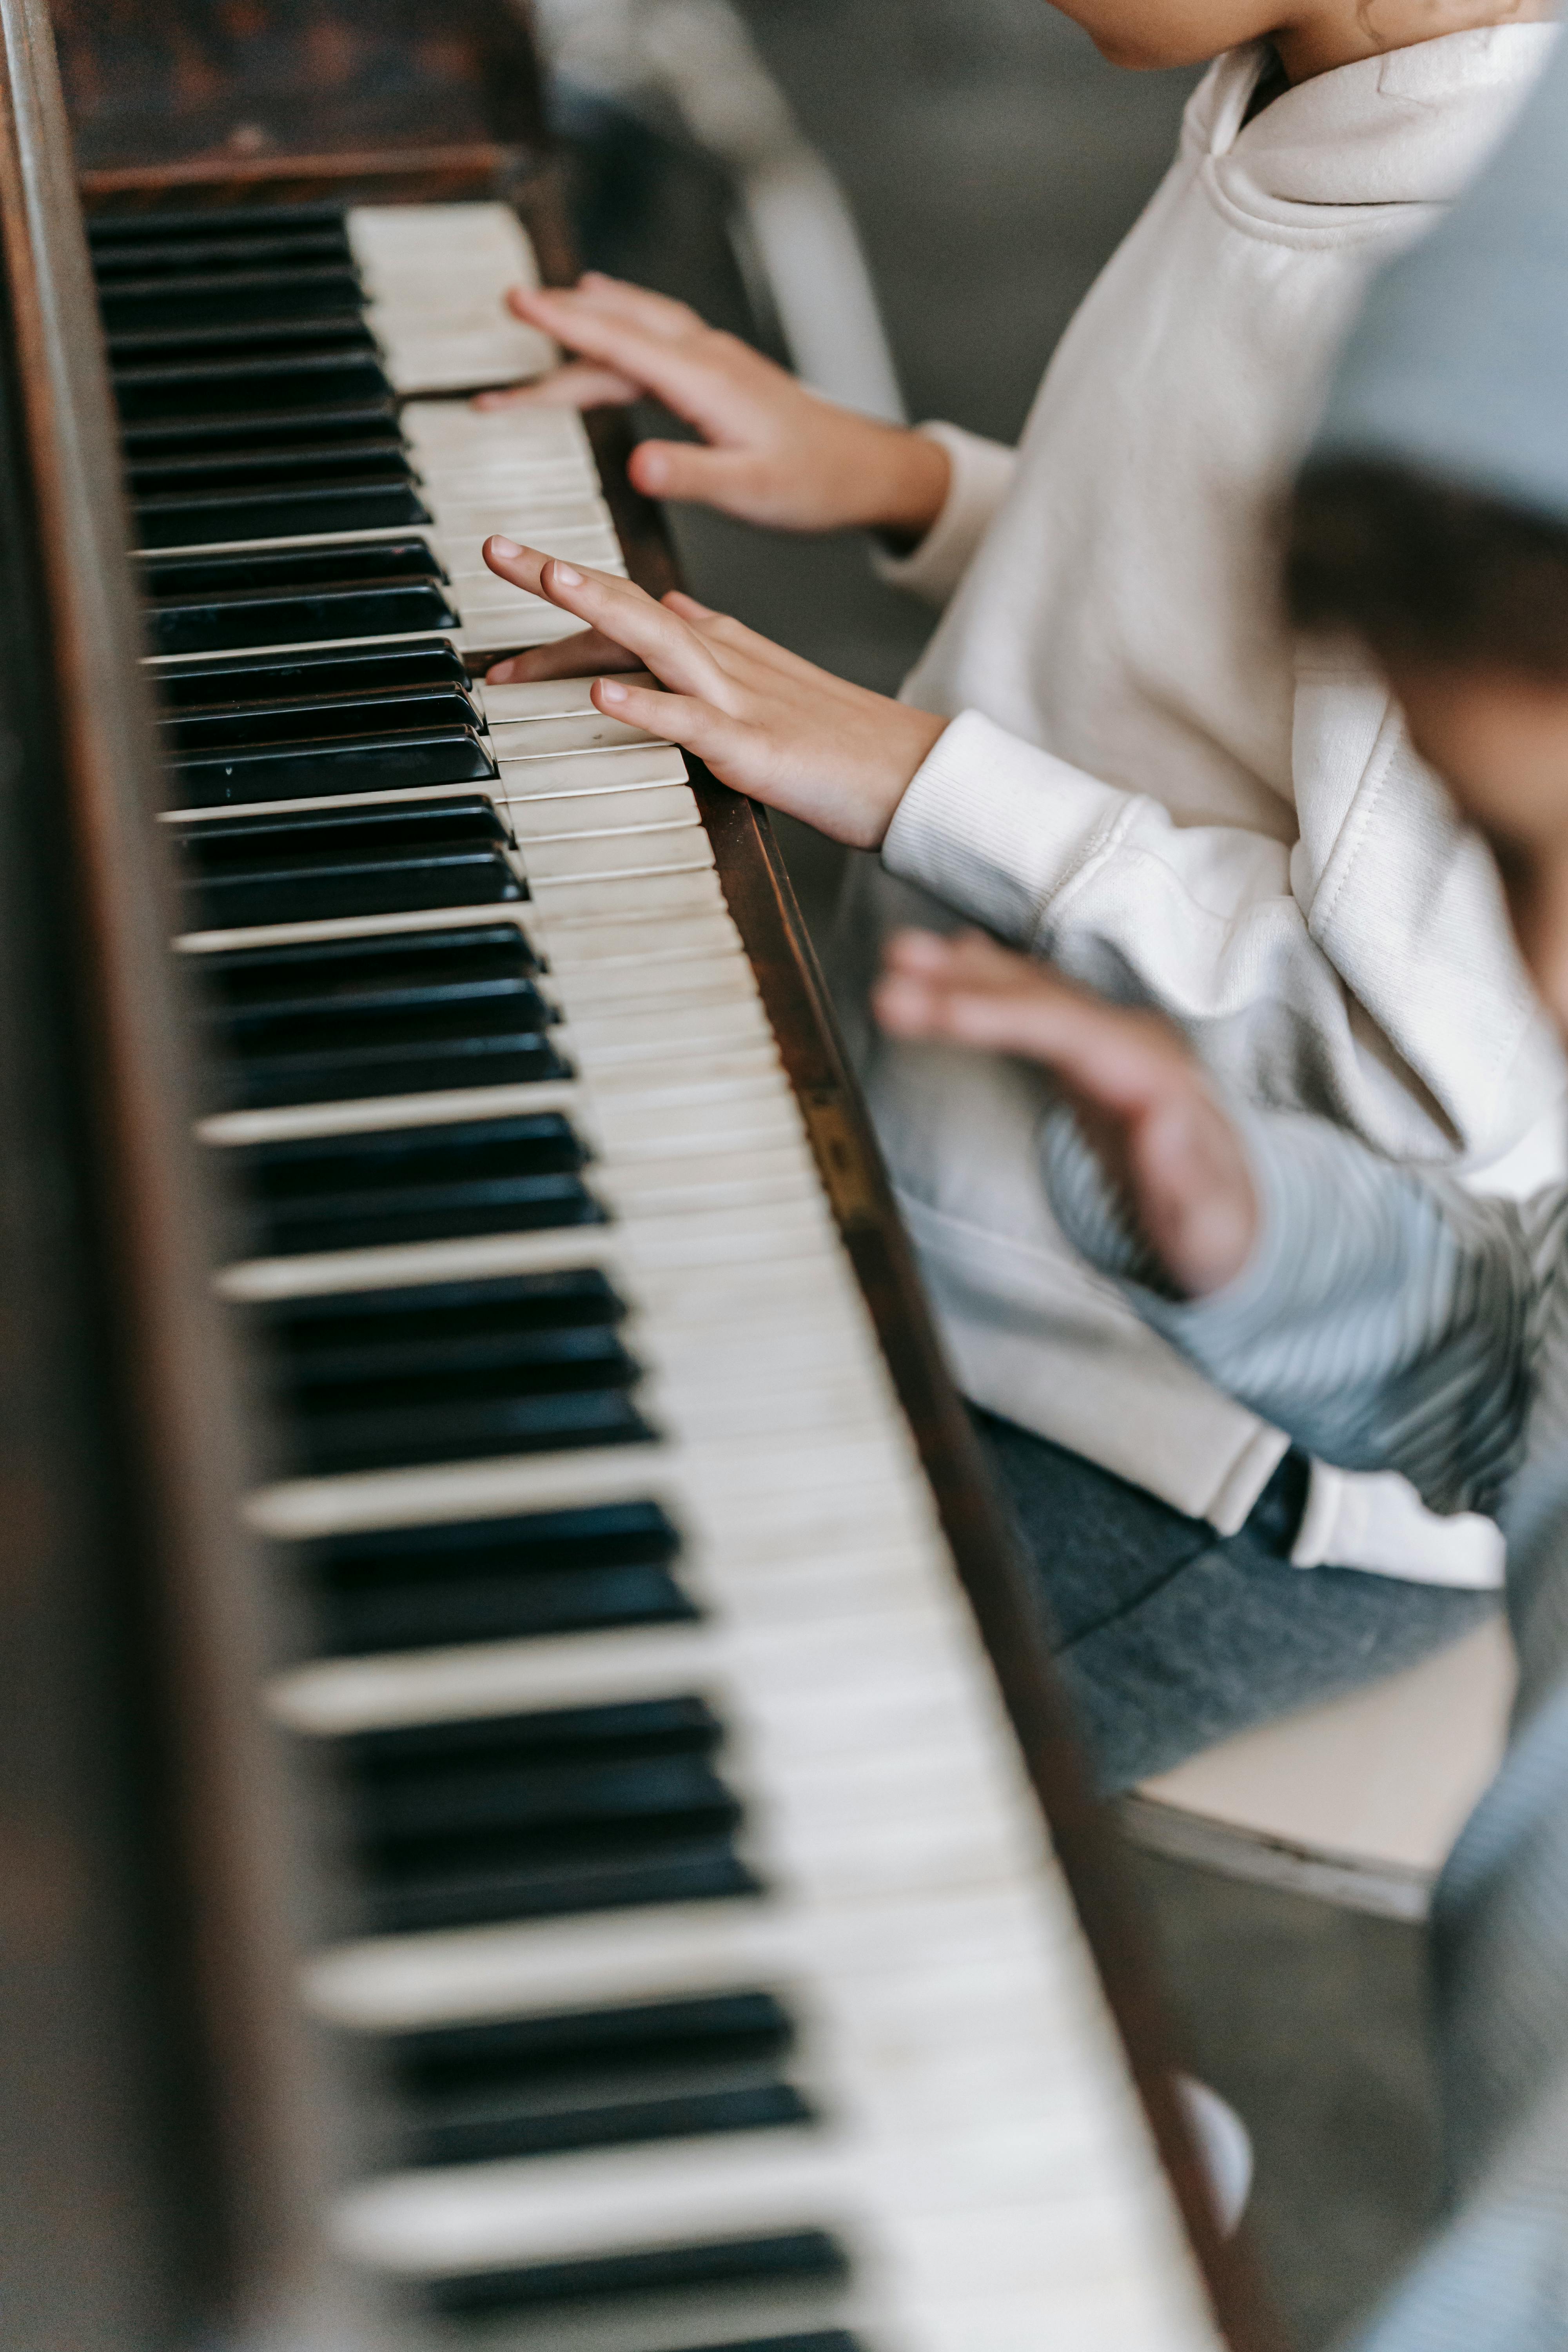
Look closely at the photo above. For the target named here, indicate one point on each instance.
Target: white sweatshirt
(1144, 780)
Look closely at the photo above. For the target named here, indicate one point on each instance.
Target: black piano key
(562, 1808)
(341, 564)
(272, 344)
(353, 1018)
(415, 1184)
(375, 456)
(446, 2069)
(320, 866)
(413, 759)
(219, 624)
(492, 1891)
(309, 671)
(471, 955)
(200, 298)
(434, 1213)
(455, 1371)
(824, 2339)
(252, 387)
(494, 1580)
(353, 1334)
(659, 2069)
(504, 1054)
(434, 1427)
(477, 959)
(312, 424)
(628, 2123)
(370, 587)
(682, 1725)
(193, 521)
(723, 2263)
(182, 236)
(139, 259)
(309, 717)
(532, 1816)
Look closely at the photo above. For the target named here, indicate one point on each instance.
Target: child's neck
(1339, 32)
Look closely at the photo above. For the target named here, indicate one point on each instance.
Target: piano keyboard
(709, 1944)
(286, 491)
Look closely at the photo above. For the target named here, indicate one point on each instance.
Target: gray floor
(992, 161)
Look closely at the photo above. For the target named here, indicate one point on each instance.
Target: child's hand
(1142, 1101)
(764, 721)
(776, 454)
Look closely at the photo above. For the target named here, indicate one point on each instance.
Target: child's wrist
(908, 489)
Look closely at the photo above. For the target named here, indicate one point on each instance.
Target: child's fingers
(711, 735)
(723, 629)
(656, 362)
(621, 612)
(584, 653)
(580, 383)
(693, 476)
(1005, 1005)
(656, 314)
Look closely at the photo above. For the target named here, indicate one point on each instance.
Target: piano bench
(1356, 1802)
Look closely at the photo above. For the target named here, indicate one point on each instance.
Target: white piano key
(464, 522)
(949, 2202)
(536, 773)
(390, 243)
(608, 897)
(590, 730)
(666, 979)
(652, 1251)
(374, 1112)
(467, 356)
(524, 623)
(298, 1507)
(540, 816)
(733, 1180)
(459, 543)
(357, 926)
(844, 1685)
(601, 1042)
(546, 699)
(666, 1952)
(444, 428)
(581, 731)
(647, 849)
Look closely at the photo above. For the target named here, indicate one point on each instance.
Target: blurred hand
(776, 454)
(1144, 1102)
(762, 720)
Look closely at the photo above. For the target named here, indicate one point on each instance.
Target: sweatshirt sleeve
(981, 473)
(1386, 1320)
(1349, 1001)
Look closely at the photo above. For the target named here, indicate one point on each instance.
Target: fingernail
(500, 676)
(566, 575)
(505, 548)
(654, 469)
(611, 691)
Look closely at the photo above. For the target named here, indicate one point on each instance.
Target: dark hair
(1427, 571)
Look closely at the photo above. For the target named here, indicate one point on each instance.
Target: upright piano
(535, 1809)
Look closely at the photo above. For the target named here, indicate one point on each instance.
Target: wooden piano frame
(149, 2069)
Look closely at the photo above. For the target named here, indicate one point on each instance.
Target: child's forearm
(1384, 1319)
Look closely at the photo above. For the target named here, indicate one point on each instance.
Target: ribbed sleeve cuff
(995, 826)
(1298, 1176)
(982, 471)
(1284, 1283)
